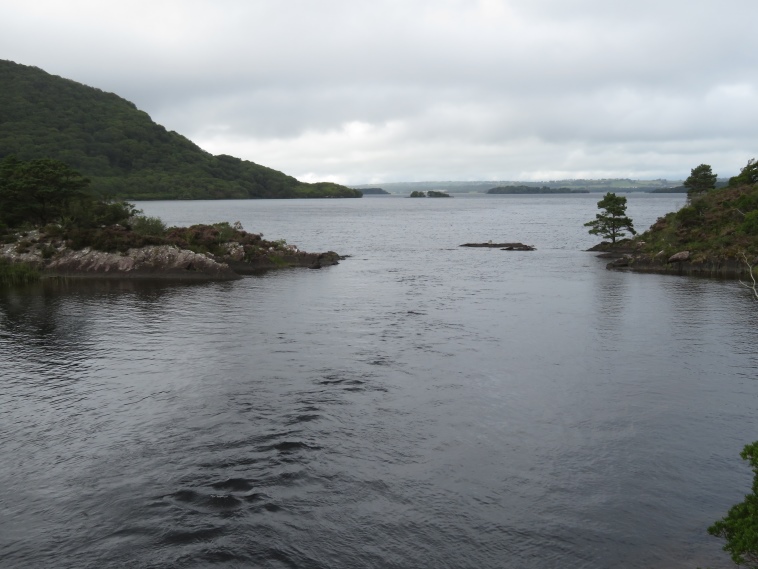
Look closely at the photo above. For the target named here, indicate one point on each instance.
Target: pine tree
(700, 181)
(611, 223)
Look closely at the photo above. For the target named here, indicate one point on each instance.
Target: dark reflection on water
(432, 407)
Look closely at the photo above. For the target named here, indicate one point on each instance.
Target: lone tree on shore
(740, 526)
(700, 181)
(612, 222)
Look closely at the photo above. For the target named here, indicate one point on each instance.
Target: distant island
(674, 190)
(535, 190)
(430, 194)
(603, 185)
(122, 151)
(373, 191)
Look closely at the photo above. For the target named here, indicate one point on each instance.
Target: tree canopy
(43, 191)
(612, 222)
(700, 180)
(740, 526)
(747, 175)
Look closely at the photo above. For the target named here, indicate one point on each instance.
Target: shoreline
(230, 260)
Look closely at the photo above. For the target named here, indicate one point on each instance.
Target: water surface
(418, 405)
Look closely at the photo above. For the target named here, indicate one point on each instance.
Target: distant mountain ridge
(535, 190)
(120, 148)
(482, 186)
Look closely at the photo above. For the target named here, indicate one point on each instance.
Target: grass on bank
(720, 224)
(17, 273)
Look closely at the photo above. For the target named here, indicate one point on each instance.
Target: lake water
(418, 405)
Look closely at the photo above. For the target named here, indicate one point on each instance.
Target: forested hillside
(121, 149)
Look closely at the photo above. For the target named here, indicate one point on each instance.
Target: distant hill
(674, 190)
(373, 192)
(534, 190)
(482, 186)
(122, 150)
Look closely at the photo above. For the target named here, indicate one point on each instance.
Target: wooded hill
(121, 150)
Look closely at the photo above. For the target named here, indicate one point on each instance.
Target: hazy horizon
(386, 92)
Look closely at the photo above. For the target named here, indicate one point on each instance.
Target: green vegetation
(121, 150)
(740, 526)
(720, 223)
(535, 190)
(47, 211)
(417, 194)
(701, 180)
(611, 223)
(44, 192)
(748, 175)
(17, 273)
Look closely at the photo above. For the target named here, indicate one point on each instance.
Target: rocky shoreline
(625, 256)
(230, 260)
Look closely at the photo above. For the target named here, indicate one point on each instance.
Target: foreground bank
(200, 252)
(714, 235)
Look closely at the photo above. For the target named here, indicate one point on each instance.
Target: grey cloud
(468, 89)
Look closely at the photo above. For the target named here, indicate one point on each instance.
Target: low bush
(145, 225)
(109, 239)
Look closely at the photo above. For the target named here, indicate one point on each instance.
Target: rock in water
(501, 246)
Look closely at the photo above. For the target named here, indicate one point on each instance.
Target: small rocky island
(429, 194)
(501, 246)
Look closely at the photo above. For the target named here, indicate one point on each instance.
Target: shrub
(109, 239)
(225, 231)
(144, 225)
(691, 215)
(750, 224)
(747, 202)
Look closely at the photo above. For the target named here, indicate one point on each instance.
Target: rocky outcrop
(680, 264)
(620, 248)
(293, 259)
(162, 261)
(54, 258)
(501, 246)
(679, 257)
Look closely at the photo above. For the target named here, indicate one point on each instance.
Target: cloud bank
(360, 92)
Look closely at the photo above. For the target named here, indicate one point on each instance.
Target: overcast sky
(375, 91)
